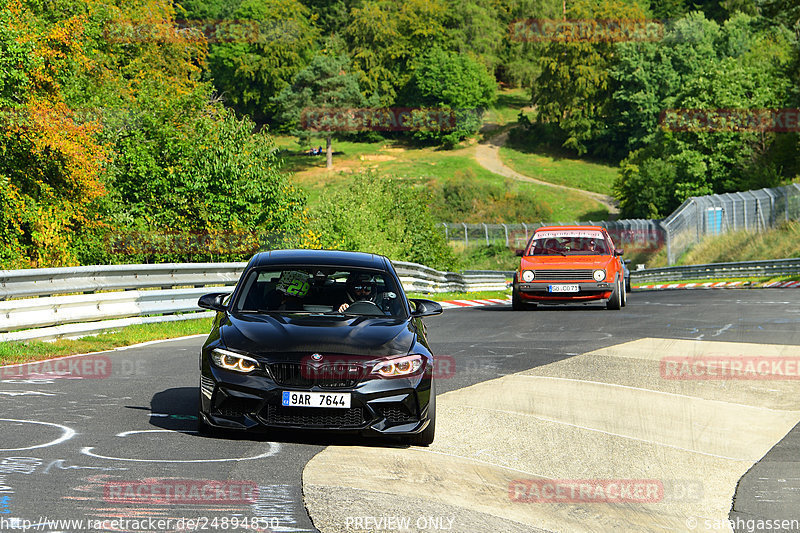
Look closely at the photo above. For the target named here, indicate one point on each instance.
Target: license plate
(564, 288)
(340, 400)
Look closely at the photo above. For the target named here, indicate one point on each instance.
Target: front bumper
(397, 406)
(589, 291)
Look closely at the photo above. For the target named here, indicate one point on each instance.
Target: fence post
(670, 259)
(466, 237)
(486, 232)
(771, 206)
(744, 210)
(445, 231)
(526, 232)
(506, 228)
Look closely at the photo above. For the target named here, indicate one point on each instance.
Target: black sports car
(318, 339)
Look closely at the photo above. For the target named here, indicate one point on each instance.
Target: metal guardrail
(743, 269)
(90, 279)
(71, 302)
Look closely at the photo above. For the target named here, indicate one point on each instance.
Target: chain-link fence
(696, 218)
(646, 234)
(716, 214)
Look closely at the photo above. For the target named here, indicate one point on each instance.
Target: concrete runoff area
(604, 416)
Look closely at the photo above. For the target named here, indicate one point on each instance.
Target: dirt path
(487, 153)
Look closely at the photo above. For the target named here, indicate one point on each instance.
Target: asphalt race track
(558, 395)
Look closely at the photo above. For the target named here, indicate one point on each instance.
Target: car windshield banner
(557, 234)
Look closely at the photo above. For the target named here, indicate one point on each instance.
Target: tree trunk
(329, 152)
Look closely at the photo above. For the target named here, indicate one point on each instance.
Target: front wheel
(615, 302)
(516, 301)
(624, 295)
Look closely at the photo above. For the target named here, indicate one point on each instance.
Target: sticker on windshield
(294, 283)
(584, 234)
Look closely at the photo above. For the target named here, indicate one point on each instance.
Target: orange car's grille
(563, 275)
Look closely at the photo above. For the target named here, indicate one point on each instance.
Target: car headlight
(528, 276)
(233, 361)
(599, 275)
(401, 366)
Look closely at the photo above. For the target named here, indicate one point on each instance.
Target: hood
(262, 334)
(570, 261)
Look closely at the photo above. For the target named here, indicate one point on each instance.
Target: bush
(384, 216)
(465, 198)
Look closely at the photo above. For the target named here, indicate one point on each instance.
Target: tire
(628, 285)
(615, 302)
(516, 302)
(425, 438)
(624, 295)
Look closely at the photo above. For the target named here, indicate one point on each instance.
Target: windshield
(315, 290)
(565, 243)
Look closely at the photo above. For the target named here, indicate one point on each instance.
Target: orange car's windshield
(560, 243)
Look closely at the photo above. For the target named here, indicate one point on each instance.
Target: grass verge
(23, 351)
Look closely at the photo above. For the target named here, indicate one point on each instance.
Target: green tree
(317, 97)
(258, 53)
(477, 28)
(454, 85)
(742, 66)
(385, 37)
(574, 89)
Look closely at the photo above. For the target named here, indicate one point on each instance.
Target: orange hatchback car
(569, 265)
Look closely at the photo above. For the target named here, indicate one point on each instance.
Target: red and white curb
(454, 304)
(724, 285)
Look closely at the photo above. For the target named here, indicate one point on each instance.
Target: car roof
(557, 228)
(334, 258)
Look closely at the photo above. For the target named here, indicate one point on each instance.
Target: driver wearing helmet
(360, 288)
(292, 287)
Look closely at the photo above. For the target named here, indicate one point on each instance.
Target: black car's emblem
(316, 357)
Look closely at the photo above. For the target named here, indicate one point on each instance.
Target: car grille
(396, 413)
(290, 374)
(275, 415)
(563, 275)
(326, 376)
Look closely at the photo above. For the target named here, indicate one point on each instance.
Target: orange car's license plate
(564, 288)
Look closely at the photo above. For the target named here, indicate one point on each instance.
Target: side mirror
(618, 252)
(626, 261)
(519, 253)
(213, 301)
(425, 307)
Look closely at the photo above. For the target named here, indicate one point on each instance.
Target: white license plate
(340, 400)
(564, 288)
